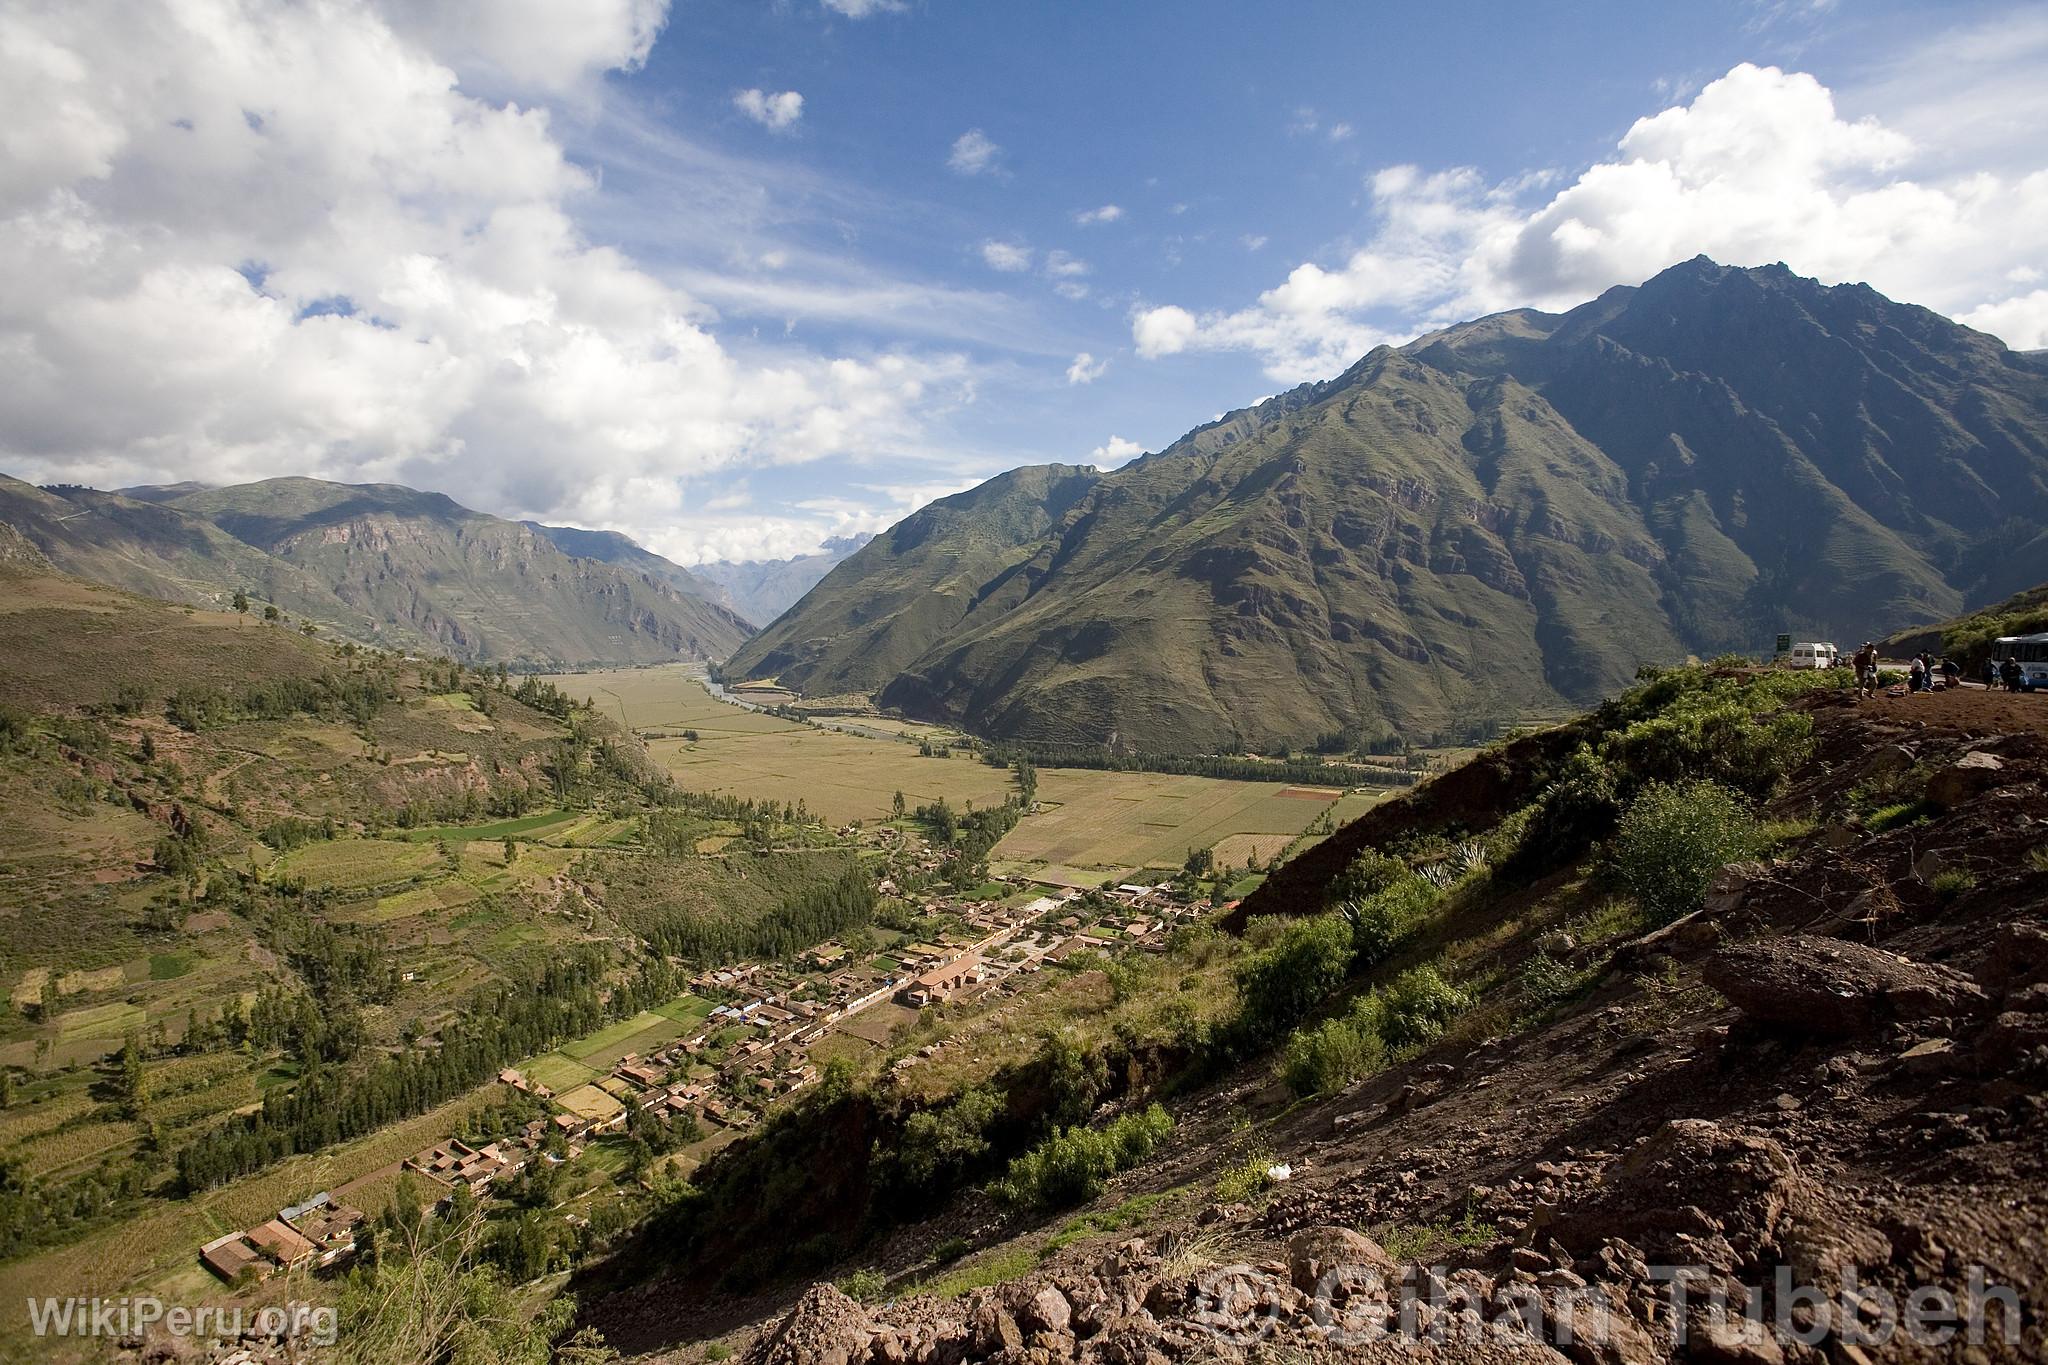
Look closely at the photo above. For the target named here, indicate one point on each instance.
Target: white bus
(2031, 651)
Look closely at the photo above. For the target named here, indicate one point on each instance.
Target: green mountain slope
(378, 563)
(1509, 514)
(422, 567)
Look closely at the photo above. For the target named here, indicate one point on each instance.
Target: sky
(734, 276)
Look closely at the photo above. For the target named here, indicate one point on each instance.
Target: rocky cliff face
(1508, 515)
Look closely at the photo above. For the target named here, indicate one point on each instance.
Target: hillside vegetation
(381, 565)
(1507, 516)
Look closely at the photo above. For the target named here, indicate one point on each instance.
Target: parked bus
(2031, 651)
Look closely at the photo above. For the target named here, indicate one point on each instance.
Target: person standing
(1865, 664)
(2009, 672)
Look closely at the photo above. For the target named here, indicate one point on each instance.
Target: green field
(500, 829)
(1113, 820)
(1100, 822)
(360, 864)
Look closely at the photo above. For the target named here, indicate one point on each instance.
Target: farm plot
(645, 1032)
(745, 753)
(361, 864)
(1121, 820)
(558, 1072)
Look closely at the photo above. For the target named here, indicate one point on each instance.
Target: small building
(280, 1243)
(941, 982)
(236, 1259)
(331, 1227)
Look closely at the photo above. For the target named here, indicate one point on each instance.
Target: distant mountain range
(383, 564)
(763, 589)
(1510, 514)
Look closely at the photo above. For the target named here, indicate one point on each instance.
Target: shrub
(1545, 981)
(1277, 986)
(1416, 1007)
(1074, 1164)
(1330, 1056)
(864, 1285)
(1953, 882)
(1244, 1179)
(940, 1147)
(1384, 919)
(1672, 840)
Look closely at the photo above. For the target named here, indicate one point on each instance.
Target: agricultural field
(839, 776)
(1115, 821)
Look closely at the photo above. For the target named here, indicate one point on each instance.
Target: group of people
(2006, 673)
(1925, 668)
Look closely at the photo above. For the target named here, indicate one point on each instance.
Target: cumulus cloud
(1108, 213)
(247, 240)
(1760, 166)
(532, 44)
(776, 113)
(1086, 369)
(1063, 265)
(1115, 451)
(1009, 257)
(973, 153)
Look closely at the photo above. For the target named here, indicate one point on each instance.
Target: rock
(1321, 1252)
(1929, 1058)
(1733, 1341)
(825, 1328)
(1555, 943)
(993, 1329)
(1725, 893)
(1836, 989)
(1965, 778)
(1835, 838)
(1047, 1312)
(1930, 865)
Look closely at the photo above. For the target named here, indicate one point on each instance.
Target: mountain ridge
(381, 563)
(1509, 514)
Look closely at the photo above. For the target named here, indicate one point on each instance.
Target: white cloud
(973, 153)
(1338, 132)
(1108, 213)
(243, 241)
(1254, 241)
(1071, 289)
(1062, 265)
(1162, 331)
(1086, 369)
(2020, 322)
(1758, 167)
(529, 44)
(777, 112)
(862, 9)
(1009, 257)
(1115, 451)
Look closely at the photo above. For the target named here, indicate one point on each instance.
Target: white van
(1810, 655)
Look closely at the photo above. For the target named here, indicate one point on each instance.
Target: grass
(500, 829)
(360, 864)
(1426, 1241)
(998, 1267)
(1129, 1214)
(686, 1010)
(1110, 819)
(558, 1072)
(169, 966)
(101, 1021)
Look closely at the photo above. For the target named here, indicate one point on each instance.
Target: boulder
(1965, 778)
(1321, 1252)
(1837, 989)
(1047, 1312)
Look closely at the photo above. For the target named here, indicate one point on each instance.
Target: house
(235, 1258)
(329, 1226)
(941, 982)
(641, 1075)
(281, 1244)
(455, 1162)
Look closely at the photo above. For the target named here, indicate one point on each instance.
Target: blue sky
(734, 276)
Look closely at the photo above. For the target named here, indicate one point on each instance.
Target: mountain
(763, 589)
(609, 547)
(379, 563)
(1510, 514)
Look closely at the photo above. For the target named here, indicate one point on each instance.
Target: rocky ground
(1829, 1086)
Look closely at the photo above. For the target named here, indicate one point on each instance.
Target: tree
(1201, 862)
(897, 805)
(130, 1086)
(241, 602)
(271, 613)
(511, 850)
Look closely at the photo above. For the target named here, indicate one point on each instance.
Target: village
(753, 1047)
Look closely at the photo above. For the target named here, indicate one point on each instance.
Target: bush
(1673, 839)
(1416, 1008)
(1330, 1056)
(1279, 985)
(864, 1285)
(1073, 1165)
